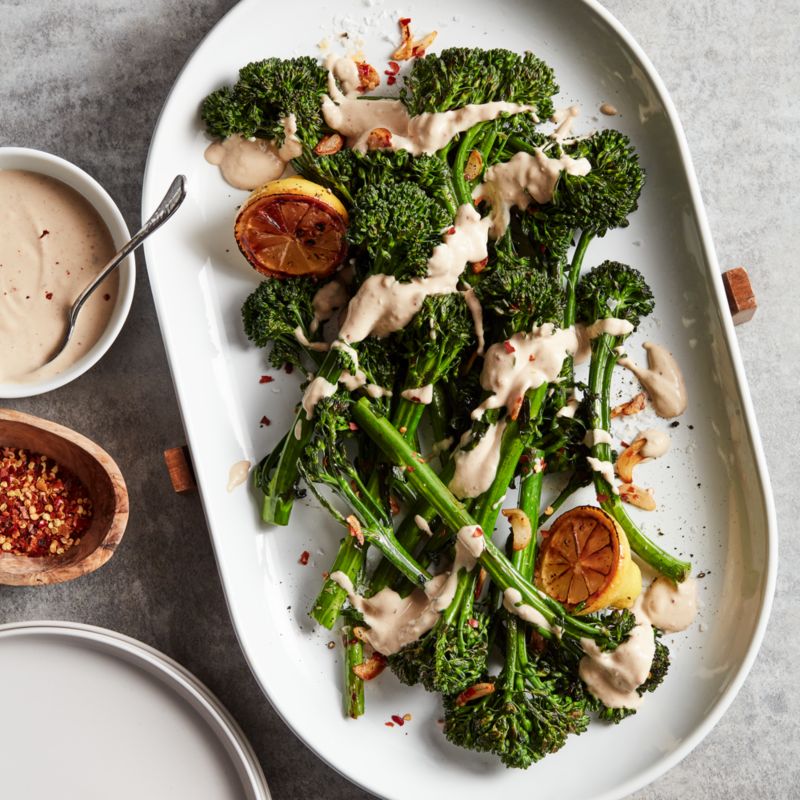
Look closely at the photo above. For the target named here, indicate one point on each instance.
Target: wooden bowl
(104, 483)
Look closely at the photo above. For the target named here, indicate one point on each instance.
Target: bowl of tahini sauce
(58, 228)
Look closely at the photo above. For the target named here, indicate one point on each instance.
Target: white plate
(712, 488)
(89, 713)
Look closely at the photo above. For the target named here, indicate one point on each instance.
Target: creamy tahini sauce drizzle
(469, 546)
(657, 443)
(525, 361)
(355, 117)
(662, 380)
(238, 474)
(475, 308)
(523, 178)
(597, 436)
(671, 606)
(250, 163)
(586, 333)
(383, 305)
(422, 524)
(52, 244)
(301, 337)
(329, 299)
(396, 621)
(422, 395)
(614, 677)
(512, 602)
(475, 469)
(564, 119)
(606, 469)
(315, 391)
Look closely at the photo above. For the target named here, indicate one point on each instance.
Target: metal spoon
(168, 206)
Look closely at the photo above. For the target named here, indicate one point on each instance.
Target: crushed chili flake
(602, 498)
(394, 68)
(304, 556)
(398, 720)
(288, 368)
(48, 295)
(508, 347)
(472, 622)
(106, 297)
(264, 422)
(391, 80)
(352, 426)
(44, 509)
(389, 724)
(44, 233)
(266, 379)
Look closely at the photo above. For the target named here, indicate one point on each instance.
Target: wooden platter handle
(741, 297)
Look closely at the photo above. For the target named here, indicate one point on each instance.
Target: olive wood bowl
(104, 484)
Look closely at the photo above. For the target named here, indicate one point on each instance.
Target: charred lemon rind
(292, 228)
(585, 562)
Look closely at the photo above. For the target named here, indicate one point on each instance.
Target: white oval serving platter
(714, 499)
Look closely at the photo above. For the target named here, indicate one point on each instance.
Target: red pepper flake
(288, 368)
(602, 498)
(48, 295)
(531, 357)
(508, 347)
(409, 468)
(265, 421)
(389, 724)
(266, 379)
(45, 232)
(391, 80)
(304, 556)
(398, 720)
(478, 532)
(472, 622)
(625, 444)
(353, 426)
(394, 68)
(479, 266)
(405, 20)
(451, 230)
(106, 297)
(44, 509)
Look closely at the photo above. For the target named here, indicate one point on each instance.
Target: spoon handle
(167, 207)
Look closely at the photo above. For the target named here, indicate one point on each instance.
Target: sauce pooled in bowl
(52, 244)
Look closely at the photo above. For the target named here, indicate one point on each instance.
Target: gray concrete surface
(85, 79)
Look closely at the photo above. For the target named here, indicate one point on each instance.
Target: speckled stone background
(85, 79)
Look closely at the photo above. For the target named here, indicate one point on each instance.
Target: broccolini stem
(573, 276)
(530, 495)
(353, 685)
(465, 146)
(351, 557)
(511, 448)
(409, 535)
(455, 516)
(276, 507)
(601, 368)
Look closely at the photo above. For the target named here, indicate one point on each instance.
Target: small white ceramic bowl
(55, 167)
